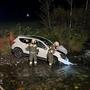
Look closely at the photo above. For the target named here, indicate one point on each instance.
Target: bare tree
(87, 15)
(71, 8)
(45, 13)
(86, 7)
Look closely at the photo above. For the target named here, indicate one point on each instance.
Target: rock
(1, 81)
(25, 73)
(1, 74)
(87, 53)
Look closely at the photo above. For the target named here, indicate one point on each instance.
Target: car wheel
(18, 53)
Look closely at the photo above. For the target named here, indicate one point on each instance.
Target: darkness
(18, 9)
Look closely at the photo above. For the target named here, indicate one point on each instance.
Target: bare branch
(45, 12)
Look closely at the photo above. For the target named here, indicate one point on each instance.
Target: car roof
(34, 36)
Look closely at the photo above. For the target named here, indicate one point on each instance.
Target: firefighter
(33, 51)
(50, 55)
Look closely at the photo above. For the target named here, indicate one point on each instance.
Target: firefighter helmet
(56, 43)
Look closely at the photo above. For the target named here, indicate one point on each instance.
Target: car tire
(17, 52)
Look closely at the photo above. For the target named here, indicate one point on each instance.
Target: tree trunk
(71, 2)
(86, 7)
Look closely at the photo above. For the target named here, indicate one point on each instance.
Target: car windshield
(46, 41)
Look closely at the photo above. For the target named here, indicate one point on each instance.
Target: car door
(42, 49)
(24, 45)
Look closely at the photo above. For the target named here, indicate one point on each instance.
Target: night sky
(18, 9)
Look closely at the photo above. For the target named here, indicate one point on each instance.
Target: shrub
(76, 39)
(6, 47)
(72, 39)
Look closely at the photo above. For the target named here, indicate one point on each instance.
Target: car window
(25, 40)
(40, 44)
(46, 41)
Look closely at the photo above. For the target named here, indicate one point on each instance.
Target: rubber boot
(30, 63)
(50, 64)
(35, 63)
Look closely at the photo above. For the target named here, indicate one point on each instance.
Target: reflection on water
(66, 70)
(42, 77)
